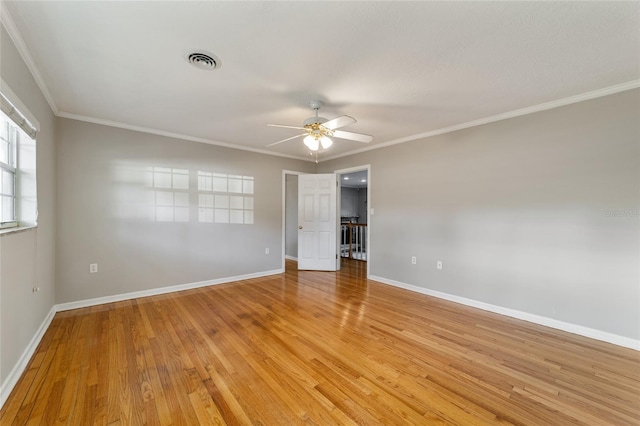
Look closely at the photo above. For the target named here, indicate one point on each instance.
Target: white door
(317, 226)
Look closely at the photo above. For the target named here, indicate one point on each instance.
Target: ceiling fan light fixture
(325, 142)
(318, 131)
(311, 143)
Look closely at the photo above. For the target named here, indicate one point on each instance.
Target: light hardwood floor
(317, 348)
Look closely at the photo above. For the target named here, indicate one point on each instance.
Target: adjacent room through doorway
(354, 209)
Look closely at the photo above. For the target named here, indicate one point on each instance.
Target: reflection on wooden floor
(319, 348)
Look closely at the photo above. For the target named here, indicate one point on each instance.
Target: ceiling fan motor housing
(313, 120)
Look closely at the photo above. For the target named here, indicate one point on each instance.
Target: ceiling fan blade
(287, 139)
(286, 127)
(359, 137)
(336, 123)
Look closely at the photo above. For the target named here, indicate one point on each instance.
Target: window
(17, 167)
(8, 145)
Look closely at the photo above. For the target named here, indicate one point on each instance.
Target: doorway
(355, 225)
(290, 213)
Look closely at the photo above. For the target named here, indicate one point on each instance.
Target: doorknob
(299, 226)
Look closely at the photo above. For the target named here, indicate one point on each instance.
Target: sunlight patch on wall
(217, 201)
(168, 204)
(165, 194)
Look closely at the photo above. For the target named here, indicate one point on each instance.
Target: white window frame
(13, 141)
(24, 125)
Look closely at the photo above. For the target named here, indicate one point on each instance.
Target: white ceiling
(402, 69)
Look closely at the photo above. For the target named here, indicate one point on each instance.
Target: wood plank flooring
(317, 348)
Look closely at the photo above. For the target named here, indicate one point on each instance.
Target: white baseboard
(291, 258)
(162, 290)
(7, 386)
(536, 319)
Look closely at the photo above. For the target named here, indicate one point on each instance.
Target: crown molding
(634, 84)
(9, 24)
(173, 135)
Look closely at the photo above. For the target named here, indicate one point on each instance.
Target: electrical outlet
(93, 268)
(266, 251)
(413, 260)
(439, 264)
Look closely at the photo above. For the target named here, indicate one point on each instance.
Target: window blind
(11, 111)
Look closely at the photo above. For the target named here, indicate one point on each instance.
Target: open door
(317, 222)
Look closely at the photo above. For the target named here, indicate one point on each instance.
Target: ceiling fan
(318, 131)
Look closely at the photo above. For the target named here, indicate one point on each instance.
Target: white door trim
(284, 210)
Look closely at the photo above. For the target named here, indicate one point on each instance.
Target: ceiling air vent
(203, 60)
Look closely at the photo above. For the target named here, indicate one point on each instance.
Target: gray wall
(519, 211)
(291, 216)
(362, 205)
(105, 213)
(353, 204)
(27, 259)
(348, 203)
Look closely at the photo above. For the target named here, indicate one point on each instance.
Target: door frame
(340, 172)
(284, 212)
